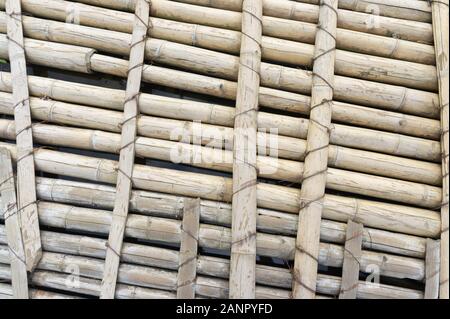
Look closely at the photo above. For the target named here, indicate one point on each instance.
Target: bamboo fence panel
(26, 190)
(352, 255)
(440, 22)
(357, 21)
(187, 266)
(225, 67)
(409, 10)
(8, 205)
(127, 149)
(157, 230)
(315, 171)
(432, 269)
(244, 199)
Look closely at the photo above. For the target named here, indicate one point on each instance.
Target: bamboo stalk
(413, 75)
(357, 183)
(219, 213)
(282, 146)
(440, 22)
(357, 21)
(225, 66)
(244, 199)
(127, 150)
(316, 160)
(167, 231)
(401, 9)
(19, 279)
(220, 115)
(166, 258)
(6, 292)
(432, 269)
(26, 189)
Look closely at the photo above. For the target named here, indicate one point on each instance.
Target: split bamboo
(127, 150)
(354, 65)
(357, 183)
(221, 115)
(244, 199)
(356, 21)
(268, 221)
(224, 66)
(26, 189)
(315, 171)
(168, 231)
(441, 33)
(432, 269)
(19, 279)
(401, 9)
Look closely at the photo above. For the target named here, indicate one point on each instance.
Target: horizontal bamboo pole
(409, 74)
(357, 21)
(219, 188)
(168, 231)
(6, 293)
(228, 40)
(415, 10)
(204, 61)
(216, 114)
(212, 157)
(85, 286)
(168, 259)
(269, 221)
(168, 107)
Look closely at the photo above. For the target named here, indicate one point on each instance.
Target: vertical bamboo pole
(316, 160)
(8, 205)
(26, 183)
(127, 150)
(352, 257)
(243, 248)
(187, 269)
(432, 257)
(440, 31)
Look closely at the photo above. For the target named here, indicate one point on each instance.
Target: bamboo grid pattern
(350, 202)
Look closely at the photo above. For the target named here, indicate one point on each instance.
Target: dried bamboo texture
(244, 203)
(316, 160)
(432, 269)
(187, 267)
(440, 23)
(127, 149)
(8, 205)
(26, 184)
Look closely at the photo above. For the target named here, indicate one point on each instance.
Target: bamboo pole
(19, 277)
(401, 9)
(432, 269)
(216, 136)
(440, 22)
(357, 21)
(316, 160)
(268, 221)
(244, 202)
(187, 265)
(26, 190)
(6, 292)
(352, 255)
(357, 183)
(168, 259)
(225, 66)
(168, 231)
(221, 115)
(413, 75)
(127, 150)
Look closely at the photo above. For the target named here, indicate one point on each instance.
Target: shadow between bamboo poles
(313, 186)
(127, 149)
(26, 183)
(440, 14)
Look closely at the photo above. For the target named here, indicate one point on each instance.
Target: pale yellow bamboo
(441, 34)
(26, 190)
